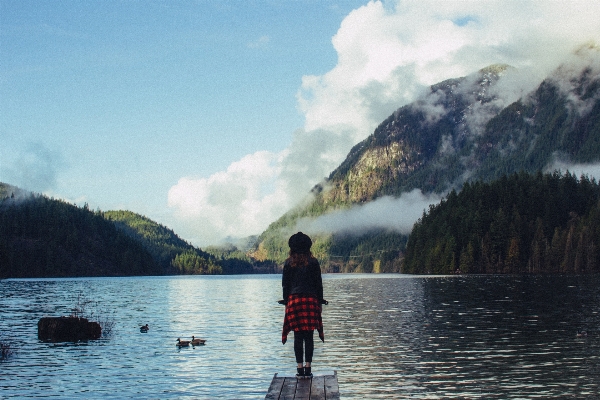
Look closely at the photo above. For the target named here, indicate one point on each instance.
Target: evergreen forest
(522, 223)
(45, 237)
(174, 255)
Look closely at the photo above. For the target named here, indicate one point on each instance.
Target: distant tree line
(522, 223)
(177, 256)
(43, 237)
(174, 254)
(235, 261)
(375, 250)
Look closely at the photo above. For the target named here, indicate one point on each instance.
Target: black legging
(306, 338)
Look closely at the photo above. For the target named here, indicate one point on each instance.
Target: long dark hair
(299, 259)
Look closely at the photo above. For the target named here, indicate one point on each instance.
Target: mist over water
(388, 336)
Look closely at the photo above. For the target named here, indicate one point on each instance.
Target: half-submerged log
(68, 329)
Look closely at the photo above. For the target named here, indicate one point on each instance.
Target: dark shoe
(307, 372)
(300, 373)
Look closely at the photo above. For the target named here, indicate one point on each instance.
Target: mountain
(43, 237)
(179, 257)
(462, 130)
(173, 254)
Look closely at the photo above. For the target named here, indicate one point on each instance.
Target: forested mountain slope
(174, 255)
(42, 237)
(179, 257)
(460, 131)
(522, 223)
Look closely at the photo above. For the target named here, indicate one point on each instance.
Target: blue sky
(122, 98)
(215, 117)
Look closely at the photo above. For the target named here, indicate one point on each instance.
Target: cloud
(591, 170)
(255, 191)
(237, 202)
(394, 214)
(388, 54)
(583, 62)
(36, 168)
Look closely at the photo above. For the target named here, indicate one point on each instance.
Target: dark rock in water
(67, 329)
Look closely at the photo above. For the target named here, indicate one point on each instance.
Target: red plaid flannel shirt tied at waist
(302, 313)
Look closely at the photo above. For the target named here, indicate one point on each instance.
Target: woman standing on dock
(303, 296)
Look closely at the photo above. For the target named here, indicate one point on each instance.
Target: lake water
(388, 336)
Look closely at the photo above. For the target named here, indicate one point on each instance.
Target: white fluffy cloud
(387, 54)
(394, 214)
(235, 202)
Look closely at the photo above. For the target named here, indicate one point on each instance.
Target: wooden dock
(319, 387)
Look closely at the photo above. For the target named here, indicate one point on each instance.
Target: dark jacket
(302, 280)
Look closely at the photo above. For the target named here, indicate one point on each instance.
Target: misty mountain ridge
(475, 128)
(481, 127)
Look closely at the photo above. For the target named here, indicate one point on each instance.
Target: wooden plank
(288, 392)
(303, 389)
(332, 389)
(317, 388)
(320, 387)
(275, 388)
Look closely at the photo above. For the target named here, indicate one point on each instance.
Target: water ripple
(390, 336)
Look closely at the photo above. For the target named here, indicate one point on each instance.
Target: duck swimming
(182, 343)
(197, 341)
(144, 329)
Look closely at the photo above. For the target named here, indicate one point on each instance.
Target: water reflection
(388, 336)
(472, 337)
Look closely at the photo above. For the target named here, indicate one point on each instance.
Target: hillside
(460, 131)
(522, 223)
(176, 255)
(43, 237)
(172, 253)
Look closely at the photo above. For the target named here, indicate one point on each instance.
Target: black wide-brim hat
(299, 243)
